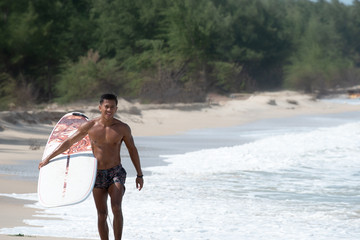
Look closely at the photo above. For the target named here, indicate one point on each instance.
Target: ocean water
(292, 178)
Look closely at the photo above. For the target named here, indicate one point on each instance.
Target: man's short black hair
(108, 96)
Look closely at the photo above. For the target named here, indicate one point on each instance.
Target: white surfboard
(70, 177)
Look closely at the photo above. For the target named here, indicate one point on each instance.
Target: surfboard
(70, 177)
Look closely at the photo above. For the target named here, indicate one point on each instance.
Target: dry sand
(32, 130)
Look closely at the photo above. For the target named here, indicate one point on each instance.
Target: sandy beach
(23, 136)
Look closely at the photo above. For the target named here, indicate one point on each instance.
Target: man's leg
(116, 192)
(100, 197)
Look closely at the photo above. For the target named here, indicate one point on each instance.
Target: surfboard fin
(79, 114)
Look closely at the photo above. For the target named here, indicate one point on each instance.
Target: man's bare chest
(105, 135)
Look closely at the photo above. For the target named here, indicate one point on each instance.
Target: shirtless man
(106, 134)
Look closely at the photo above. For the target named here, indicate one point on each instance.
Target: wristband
(140, 176)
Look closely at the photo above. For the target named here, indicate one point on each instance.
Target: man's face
(108, 108)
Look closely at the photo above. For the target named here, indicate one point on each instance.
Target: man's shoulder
(92, 122)
(121, 127)
(87, 125)
(119, 123)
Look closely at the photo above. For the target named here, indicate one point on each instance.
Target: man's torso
(106, 142)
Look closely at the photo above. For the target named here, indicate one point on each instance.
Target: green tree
(261, 41)
(318, 60)
(38, 37)
(196, 29)
(87, 77)
(122, 23)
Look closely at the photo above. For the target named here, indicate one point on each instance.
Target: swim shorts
(106, 177)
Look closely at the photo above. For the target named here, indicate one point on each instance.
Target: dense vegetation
(173, 50)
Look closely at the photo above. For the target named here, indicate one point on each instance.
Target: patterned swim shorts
(104, 178)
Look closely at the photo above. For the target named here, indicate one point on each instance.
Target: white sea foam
(297, 185)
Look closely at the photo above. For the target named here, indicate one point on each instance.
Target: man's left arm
(134, 156)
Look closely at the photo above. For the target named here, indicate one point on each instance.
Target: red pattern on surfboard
(65, 128)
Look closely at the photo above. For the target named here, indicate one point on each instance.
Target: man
(106, 134)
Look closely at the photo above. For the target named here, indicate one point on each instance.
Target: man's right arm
(77, 136)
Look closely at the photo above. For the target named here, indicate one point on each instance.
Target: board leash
(66, 174)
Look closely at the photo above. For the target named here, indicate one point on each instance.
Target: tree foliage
(173, 50)
(86, 77)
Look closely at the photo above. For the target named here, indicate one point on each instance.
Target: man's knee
(116, 209)
(102, 215)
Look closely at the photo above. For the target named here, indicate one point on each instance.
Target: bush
(174, 83)
(225, 76)
(7, 91)
(15, 92)
(87, 78)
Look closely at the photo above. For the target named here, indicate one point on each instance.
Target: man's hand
(43, 163)
(139, 183)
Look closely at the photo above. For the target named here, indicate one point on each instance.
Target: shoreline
(230, 112)
(147, 120)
